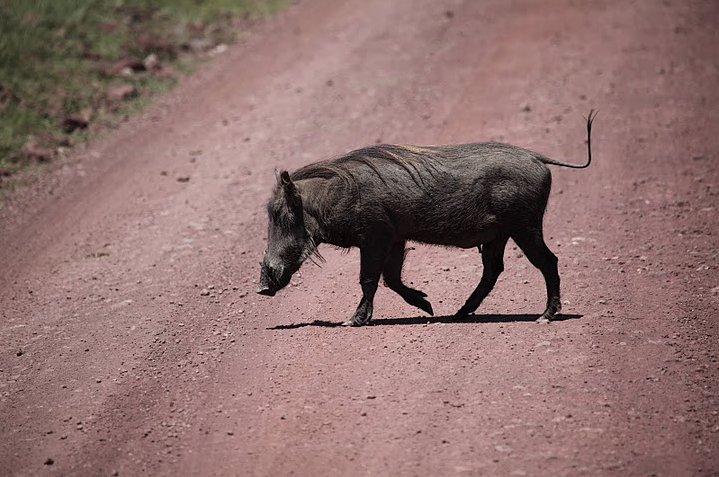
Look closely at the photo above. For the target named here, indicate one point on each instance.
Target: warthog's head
(289, 242)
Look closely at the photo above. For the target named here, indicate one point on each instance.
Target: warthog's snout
(265, 290)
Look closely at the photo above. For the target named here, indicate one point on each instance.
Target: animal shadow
(424, 320)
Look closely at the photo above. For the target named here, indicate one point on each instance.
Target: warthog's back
(450, 195)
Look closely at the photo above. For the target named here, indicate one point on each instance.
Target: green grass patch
(60, 58)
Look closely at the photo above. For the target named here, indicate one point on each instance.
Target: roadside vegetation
(71, 67)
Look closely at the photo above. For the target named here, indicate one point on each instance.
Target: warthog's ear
(288, 187)
(285, 178)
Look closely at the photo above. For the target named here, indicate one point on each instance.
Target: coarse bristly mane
(406, 157)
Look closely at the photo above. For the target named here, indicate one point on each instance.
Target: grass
(59, 58)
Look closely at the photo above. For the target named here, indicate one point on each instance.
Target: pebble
(205, 292)
(49, 461)
(121, 92)
(151, 62)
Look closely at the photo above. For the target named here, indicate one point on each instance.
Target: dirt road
(132, 342)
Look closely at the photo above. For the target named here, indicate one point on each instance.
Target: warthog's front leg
(393, 278)
(372, 259)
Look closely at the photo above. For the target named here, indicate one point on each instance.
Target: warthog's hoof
(426, 307)
(553, 309)
(356, 322)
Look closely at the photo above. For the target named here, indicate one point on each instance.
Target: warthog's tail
(590, 119)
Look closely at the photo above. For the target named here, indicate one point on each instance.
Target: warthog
(379, 197)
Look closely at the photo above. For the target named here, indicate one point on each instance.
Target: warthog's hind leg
(541, 257)
(493, 265)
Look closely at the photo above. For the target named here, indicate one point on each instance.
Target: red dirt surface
(133, 342)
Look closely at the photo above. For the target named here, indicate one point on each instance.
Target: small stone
(503, 448)
(219, 49)
(19, 352)
(151, 62)
(126, 67)
(33, 151)
(199, 45)
(183, 179)
(205, 292)
(121, 92)
(74, 122)
(49, 461)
